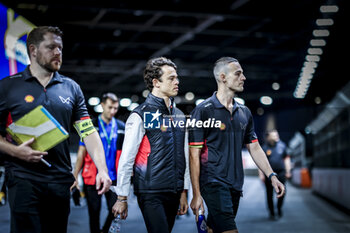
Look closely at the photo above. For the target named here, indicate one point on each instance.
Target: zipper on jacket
(175, 151)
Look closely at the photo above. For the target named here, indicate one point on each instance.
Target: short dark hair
(36, 36)
(221, 64)
(109, 95)
(154, 70)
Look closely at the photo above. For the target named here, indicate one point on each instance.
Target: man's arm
(197, 201)
(261, 161)
(288, 166)
(95, 149)
(183, 199)
(134, 133)
(23, 151)
(78, 165)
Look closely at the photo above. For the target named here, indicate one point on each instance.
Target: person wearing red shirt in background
(111, 132)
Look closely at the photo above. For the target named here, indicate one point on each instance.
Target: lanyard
(108, 138)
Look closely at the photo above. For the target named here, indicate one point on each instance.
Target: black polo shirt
(63, 98)
(221, 154)
(276, 155)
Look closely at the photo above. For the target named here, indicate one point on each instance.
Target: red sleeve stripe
(84, 118)
(9, 120)
(196, 143)
(255, 140)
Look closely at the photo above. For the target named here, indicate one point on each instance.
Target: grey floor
(303, 212)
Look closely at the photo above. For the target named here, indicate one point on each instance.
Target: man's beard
(47, 66)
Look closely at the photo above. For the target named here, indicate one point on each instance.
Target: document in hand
(41, 125)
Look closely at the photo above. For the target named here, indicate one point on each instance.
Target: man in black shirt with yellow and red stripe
(215, 149)
(39, 195)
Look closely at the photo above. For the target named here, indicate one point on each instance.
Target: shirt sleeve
(80, 110)
(250, 135)
(134, 132)
(196, 134)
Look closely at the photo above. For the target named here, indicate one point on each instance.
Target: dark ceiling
(107, 43)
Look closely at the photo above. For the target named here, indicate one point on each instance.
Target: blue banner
(13, 34)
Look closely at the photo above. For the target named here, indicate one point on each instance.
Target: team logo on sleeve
(29, 98)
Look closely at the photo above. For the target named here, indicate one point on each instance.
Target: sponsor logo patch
(29, 98)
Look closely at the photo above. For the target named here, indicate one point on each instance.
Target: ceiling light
(98, 108)
(177, 99)
(315, 51)
(320, 32)
(266, 100)
(275, 86)
(324, 22)
(145, 93)
(93, 101)
(134, 98)
(313, 58)
(310, 64)
(260, 111)
(317, 42)
(329, 9)
(189, 96)
(125, 102)
(318, 100)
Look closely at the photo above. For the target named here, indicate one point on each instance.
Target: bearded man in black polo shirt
(39, 195)
(215, 152)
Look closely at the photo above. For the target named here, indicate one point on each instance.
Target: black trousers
(38, 207)
(159, 210)
(94, 208)
(270, 191)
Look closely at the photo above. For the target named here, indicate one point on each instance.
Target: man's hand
(75, 184)
(278, 186)
(196, 204)
(26, 153)
(120, 208)
(103, 182)
(183, 204)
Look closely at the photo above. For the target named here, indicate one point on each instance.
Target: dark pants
(38, 207)
(159, 210)
(270, 191)
(222, 203)
(94, 208)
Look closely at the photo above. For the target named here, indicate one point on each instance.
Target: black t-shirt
(276, 155)
(63, 98)
(221, 154)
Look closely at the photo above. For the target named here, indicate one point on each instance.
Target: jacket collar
(159, 102)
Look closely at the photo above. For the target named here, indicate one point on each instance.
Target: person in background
(111, 131)
(276, 152)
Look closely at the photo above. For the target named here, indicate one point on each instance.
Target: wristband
(272, 174)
